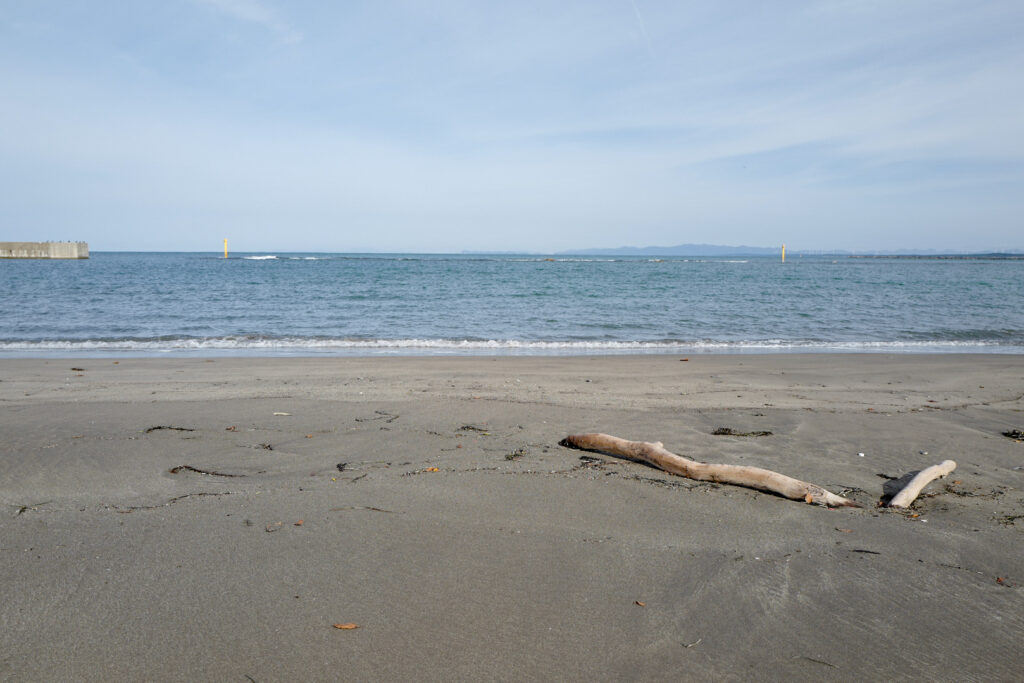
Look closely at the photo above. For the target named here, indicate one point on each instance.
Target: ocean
(119, 304)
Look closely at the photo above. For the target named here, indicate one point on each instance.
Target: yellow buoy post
(783, 251)
(226, 249)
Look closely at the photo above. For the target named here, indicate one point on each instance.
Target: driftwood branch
(751, 477)
(913, 488)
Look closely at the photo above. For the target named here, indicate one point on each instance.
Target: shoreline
(212, 518)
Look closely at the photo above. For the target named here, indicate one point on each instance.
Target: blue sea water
(154, 304)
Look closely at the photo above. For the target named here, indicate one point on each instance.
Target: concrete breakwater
(69, 250)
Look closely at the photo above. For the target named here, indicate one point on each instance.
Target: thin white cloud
(642, 28)
(255, 12)
(458, 125)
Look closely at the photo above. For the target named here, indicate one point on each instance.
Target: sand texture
(191, 519)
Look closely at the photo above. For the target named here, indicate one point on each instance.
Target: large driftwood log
(751, 477)
(912, 490)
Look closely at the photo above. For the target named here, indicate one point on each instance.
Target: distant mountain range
(721, 250)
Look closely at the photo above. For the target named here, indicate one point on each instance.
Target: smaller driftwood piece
(750, 477)
(912, 490)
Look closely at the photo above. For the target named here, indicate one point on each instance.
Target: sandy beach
(214, 519)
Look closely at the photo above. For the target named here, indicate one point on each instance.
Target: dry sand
(164, 521)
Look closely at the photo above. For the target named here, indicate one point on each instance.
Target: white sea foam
(297, 346)
(260, 258)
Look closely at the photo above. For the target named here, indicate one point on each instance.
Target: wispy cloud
(255, 12)
(642, 28)
(521, 125)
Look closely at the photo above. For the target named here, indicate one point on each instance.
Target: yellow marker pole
(783, 251)
(226, 249)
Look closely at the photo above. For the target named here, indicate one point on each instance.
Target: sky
(442, 126)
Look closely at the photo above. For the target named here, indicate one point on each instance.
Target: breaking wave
(274, 346)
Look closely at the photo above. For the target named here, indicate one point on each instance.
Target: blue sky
(534, 126)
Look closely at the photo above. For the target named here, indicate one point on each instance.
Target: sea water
(149, 304)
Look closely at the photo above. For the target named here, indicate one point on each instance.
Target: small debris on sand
(726, 431)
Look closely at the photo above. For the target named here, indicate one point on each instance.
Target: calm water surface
(303, 304)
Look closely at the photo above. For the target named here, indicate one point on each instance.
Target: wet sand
(191, 519)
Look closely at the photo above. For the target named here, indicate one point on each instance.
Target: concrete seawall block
(44, 250)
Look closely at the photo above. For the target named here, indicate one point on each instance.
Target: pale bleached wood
(912, 490)
(751, 477)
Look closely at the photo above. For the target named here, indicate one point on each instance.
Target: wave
(259, 258)
(347, 346)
